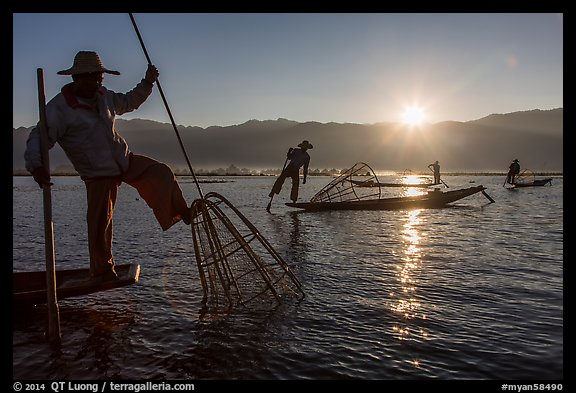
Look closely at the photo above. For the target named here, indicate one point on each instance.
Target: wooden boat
(534, 183)
(30, 287)
(527, 179)
(432, 199)
(371, 183)
(346, 193)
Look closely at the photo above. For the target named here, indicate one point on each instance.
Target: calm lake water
(470, 291)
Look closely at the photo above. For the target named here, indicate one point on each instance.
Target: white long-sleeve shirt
(88, 136)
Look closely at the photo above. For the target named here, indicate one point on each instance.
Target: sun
(413, 116)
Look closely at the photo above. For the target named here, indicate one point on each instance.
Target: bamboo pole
(167, 107)
(53, 333)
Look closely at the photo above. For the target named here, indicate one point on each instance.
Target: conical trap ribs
(357, 183)
(525, 177)
(237, 266)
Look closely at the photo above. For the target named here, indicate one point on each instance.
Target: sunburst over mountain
(488, 144)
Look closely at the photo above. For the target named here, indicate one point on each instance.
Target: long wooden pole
(270, 203)
(53, 333)
(167, 107)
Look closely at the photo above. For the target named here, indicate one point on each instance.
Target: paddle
(506, 179)
(272, 197)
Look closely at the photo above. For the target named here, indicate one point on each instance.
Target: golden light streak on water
(406, 303)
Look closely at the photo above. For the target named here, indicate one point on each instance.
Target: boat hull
(402, 185)
(30, 287)
(433, 199)
(535, 183)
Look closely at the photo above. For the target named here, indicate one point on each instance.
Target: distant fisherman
(436, 168)
(513, 170)
(299, 158)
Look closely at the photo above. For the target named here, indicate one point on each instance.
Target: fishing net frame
(230, 270)
(356, 183)
(525, 177)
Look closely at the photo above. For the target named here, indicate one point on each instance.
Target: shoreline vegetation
(275, 172)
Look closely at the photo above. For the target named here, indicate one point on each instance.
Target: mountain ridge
(535, 137)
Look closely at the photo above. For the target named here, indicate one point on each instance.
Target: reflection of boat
(432, 199)
(30, 287)
(371, 183)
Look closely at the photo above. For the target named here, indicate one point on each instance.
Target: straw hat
(86, 62)
(305, 145)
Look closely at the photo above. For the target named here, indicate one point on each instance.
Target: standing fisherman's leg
(277, 187)
(101, 195)
(157, 185)
(295, 175)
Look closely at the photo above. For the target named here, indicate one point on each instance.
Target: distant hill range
(534, 137)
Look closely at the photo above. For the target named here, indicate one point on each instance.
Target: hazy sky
(224, 69)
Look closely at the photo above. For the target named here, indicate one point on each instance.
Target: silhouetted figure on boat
(299, 158)
(436, 169)
(514, 169)
(81, 119)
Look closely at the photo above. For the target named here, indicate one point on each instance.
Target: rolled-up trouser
(292, 172)
(101, 193)
(155, 183)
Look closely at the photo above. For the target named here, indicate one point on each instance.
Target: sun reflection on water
(413, 179)
(405, 300)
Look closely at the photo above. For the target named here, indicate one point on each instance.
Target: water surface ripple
(471, 291)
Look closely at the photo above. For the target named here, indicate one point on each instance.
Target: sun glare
(413, 116)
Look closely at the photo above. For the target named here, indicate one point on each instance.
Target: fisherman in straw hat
(513, 170)
(299, 158)
(81, 119)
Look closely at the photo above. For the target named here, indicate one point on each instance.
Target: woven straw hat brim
(76, 71)
(85, 63)
(306, 145)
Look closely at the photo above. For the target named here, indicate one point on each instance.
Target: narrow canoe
(535, 183)
(370, 183)
(432, 199)
(30, 287)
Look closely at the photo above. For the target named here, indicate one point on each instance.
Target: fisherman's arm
(33, 152)
(130, 101)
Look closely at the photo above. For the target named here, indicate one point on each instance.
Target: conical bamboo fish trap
(236, 263)
(354, 184)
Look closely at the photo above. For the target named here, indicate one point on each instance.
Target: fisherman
(299, 158)
(513, 170)
(81, 119)
(436, 168)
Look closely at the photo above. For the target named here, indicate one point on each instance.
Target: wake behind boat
(30, 287)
